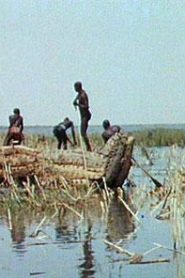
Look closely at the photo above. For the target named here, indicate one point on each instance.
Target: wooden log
(151, 261)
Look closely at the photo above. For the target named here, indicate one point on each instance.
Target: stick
(127, 207)
(167, 248)
(82, 148)
(151, 250)
(38, 227)
(166, 198)
(69, 195)
(106, 190)
(156, 182)
(9, 219)
(118, 248)
(40, 187)
(151, 262)
(73, 210)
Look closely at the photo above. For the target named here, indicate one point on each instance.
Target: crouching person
(60, 133)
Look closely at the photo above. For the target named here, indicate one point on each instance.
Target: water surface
(68, 246)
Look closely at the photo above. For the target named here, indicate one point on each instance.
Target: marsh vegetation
(138, 230)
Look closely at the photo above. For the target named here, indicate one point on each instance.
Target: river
(69, 246)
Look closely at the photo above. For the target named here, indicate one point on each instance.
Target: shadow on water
(65, 230)
(87, 267)
(120, 224)
(67, 233)
(75, 247)
(18, 231)
(116, 224)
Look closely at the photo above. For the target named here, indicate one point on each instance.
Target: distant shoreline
(97, 129)
(123, 125)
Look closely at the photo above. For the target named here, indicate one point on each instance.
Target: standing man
(15, 128)
(82, 102)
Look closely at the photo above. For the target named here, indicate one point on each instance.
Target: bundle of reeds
(73, 166)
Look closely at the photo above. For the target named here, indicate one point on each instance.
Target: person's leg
(7, 139)
(84, 126)
(59, 143)
(17, 137)
(64, 139)
(22, 141)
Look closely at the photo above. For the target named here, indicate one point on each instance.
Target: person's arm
(76, 101)
(62, 123)
(104, 137)
(21, 124)
(10, 121)
(68, 139)
(118, 128)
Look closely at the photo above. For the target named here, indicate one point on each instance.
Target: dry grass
(58, 195)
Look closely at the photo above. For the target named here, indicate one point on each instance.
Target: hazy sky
(129, 55)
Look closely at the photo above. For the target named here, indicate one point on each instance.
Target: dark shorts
(86, 114)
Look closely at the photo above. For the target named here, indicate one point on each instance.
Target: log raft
(112, 164)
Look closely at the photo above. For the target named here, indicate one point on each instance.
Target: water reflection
(65, 230)
(120, 223)
(18, 231)
(87, 256)
(88, 265)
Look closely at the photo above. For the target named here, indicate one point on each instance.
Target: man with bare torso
(82, 102)
(109, 130)
(60, 133)
(15, 130)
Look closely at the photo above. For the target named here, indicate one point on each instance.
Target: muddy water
(69, 246)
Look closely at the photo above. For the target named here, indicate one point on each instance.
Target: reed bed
(56, 194)
(50, 191)
(148, 138)
(177, 198)
(160, 137)
(56, 197)
(151, 138)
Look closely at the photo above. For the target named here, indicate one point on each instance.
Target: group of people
(81, 102)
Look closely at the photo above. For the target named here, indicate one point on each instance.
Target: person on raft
(60, 133)
(109, 130)
(15, 130)
(82, 102)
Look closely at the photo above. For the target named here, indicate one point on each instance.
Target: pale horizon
(129, 56)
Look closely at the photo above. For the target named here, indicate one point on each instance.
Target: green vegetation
(150, 138)
(160, 137)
